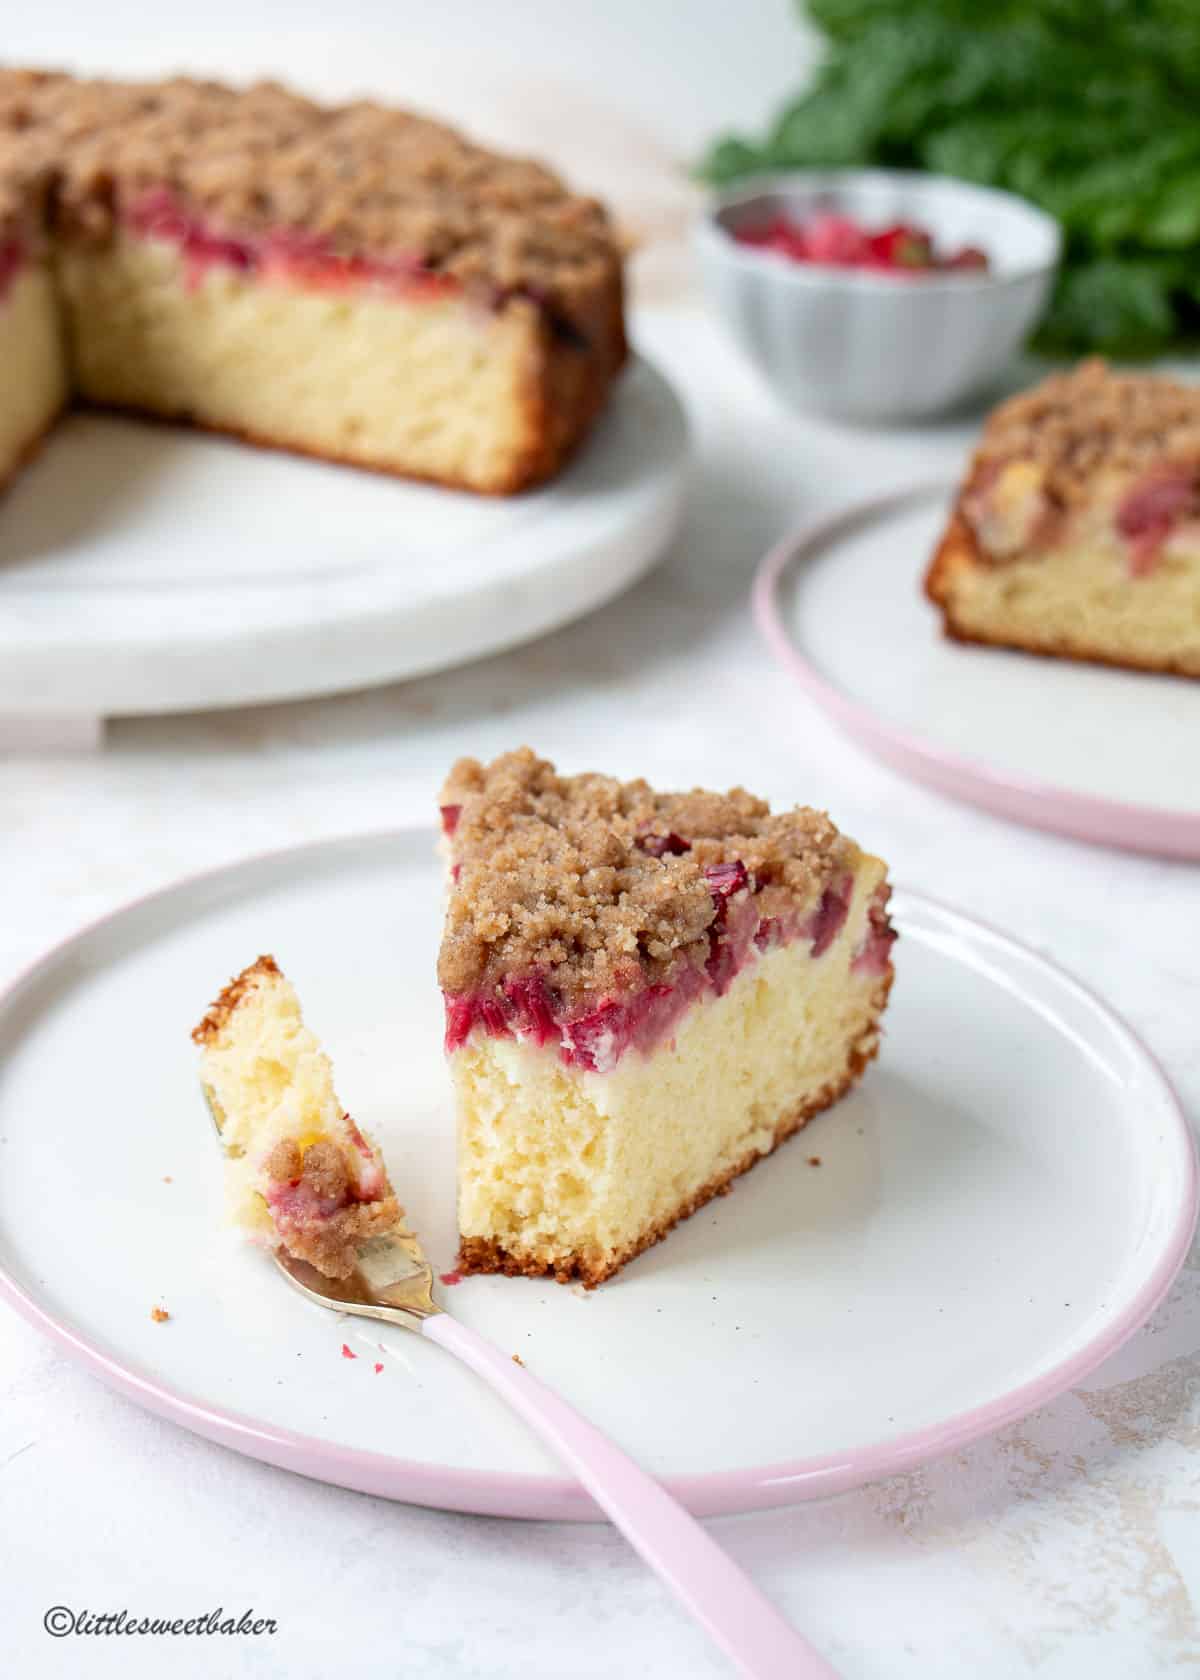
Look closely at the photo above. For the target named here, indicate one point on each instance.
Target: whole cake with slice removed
(352, 282)
(1077, 531)
(645, 993)
(298, 1171)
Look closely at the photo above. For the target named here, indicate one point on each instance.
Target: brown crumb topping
(322, 1168)
(600, 885)
(220, 1011)
(1074, 425)
(363, 179)
(331, 1241)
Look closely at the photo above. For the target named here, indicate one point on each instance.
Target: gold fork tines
(393, 1281)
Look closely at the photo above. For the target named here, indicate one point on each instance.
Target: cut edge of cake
(1076, 532)
(602, 1100)
(33, 359)
(299, 1173)
(495, 1254)
(437, 388)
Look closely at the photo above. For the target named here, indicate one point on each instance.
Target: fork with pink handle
(394, 1282)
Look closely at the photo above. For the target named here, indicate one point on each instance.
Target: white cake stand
(146, 569)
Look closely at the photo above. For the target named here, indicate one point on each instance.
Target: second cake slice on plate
(645, 993)
(1077, 531)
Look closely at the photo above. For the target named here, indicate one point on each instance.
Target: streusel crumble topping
(363, 179)
(600, 885)
(1075, 424)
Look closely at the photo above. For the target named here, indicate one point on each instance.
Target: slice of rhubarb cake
(1077, 532)
(298, 1171)
(645, 992)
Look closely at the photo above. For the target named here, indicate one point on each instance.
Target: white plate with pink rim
(818, 1328)
(1087, 751)
(148, 569)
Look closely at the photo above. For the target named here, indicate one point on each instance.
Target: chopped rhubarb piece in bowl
(876, 294)
(841, 242)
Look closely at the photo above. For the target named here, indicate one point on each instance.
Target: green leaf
(1122, 306)
(1087, 107)
(1174, 220)
(730, 158)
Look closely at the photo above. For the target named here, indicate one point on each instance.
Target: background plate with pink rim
(1001, 1203)
(1096, 753)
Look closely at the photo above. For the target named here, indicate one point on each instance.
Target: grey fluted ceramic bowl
(874, 347)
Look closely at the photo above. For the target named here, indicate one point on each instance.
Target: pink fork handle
(723, 1600)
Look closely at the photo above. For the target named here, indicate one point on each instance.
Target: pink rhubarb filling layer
(594, 1040)
(284, 254)
(293, 257)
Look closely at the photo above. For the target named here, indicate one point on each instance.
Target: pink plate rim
(1024, 799)
(509, 1494)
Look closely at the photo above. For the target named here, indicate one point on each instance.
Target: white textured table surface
(1067, 1547)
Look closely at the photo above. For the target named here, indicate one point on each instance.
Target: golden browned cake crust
(29, 453)
(220, 1011)
(600, 885)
